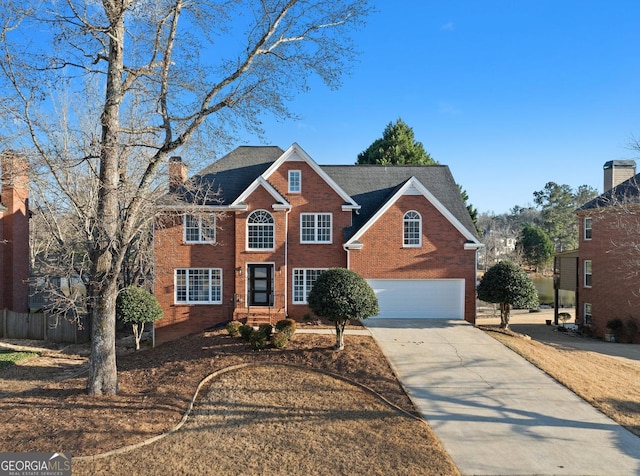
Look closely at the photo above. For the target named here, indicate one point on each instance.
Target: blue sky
(509, 94)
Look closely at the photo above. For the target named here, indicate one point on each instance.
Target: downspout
(286, 263)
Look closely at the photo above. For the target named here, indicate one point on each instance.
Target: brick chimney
(177, 173)
(14, 232)
(618, 171)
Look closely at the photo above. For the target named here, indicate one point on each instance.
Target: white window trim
(199, 218)
(187, 301)
(291, 172)
(419, 220)
(584, 273)
(590, 228)
(315, 229)
(293, 281)
(273, 226)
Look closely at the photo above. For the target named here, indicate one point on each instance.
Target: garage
(419, 298)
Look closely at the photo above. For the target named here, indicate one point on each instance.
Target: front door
(260, 285)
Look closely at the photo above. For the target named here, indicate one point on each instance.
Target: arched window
(260, 231)
(412, 229)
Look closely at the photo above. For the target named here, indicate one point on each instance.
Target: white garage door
(419, 298)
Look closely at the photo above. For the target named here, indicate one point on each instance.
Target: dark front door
(260, 285)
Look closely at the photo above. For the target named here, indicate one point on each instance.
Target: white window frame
(261, 227)
(407, 238)
(316, 228)
(588, 227)
(295, 181)
(587, 266)
(305, 286)
(206, 228)
(587, 316)
(213, 282)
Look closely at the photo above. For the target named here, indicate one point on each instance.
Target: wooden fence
(41, 326)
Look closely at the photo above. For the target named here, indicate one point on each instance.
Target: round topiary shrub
(137, 306)
(286, 326)
(279, 340)
(233, 328)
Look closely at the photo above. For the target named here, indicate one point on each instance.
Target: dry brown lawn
(262, 419)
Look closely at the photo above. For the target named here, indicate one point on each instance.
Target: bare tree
(165, 75)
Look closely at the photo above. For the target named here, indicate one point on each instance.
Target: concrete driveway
(494, 412)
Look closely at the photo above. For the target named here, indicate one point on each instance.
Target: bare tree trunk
(102, 370)
(505, 309)
(103, 375)
(340, 334)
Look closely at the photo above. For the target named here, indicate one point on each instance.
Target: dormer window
(200, 229)
(295, 181)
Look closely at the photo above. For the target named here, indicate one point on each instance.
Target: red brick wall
(441, 255)
(15, 233)
(172, 252)
(613, 294)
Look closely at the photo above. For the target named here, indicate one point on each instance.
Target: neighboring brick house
(14, 233)
(248, 236)
(609, 254)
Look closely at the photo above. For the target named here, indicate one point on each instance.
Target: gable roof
(627, 191)
(368, 189)
(374, 186)
(236, 171)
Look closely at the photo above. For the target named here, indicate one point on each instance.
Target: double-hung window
(587, 314)
(587, 273)
(412, 229)
(588, 223)
(198, 286)
(295, 181)
(315, 228)
(303, 281)
(200, 229)
(260, 231)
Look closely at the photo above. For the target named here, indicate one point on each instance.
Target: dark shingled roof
(372, 185)
(236, 170)
(369, 185)
(627, 191)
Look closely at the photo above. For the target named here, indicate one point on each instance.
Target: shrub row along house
(609, 254)
(247, 237)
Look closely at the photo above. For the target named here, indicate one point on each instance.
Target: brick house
(247, 237)
(608, 255)
(14, 233)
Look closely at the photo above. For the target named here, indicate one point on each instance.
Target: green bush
(233, 328)
(279, 340)
(137, 306)
(258, 339)
(267, 329)
(286, 326)
(246, 331)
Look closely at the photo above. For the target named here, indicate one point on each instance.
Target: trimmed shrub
(286, 326)
(279, 340)
(267, 329)
(258, 339)
(137, 307)
(233, 328)
(246, 331)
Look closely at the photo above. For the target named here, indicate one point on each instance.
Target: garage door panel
(419, 298)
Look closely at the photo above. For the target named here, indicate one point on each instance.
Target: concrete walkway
(494, 412)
